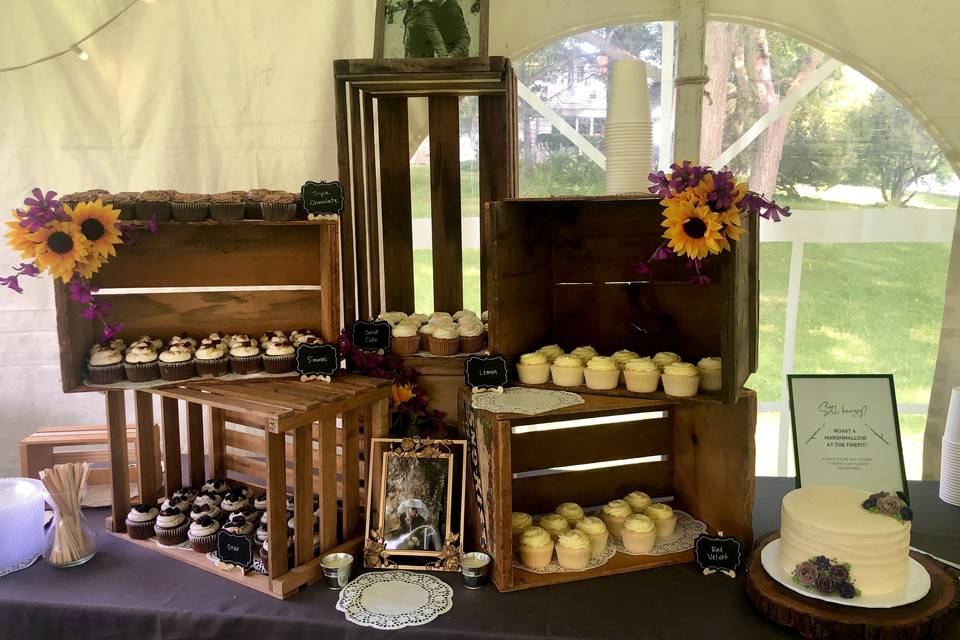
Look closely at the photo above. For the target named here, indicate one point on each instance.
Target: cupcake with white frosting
(171, 527)
(551, 352)
(140, 363)
(105, 366)
(567, 371)
(440, 317)
(245, 357)
(178, 502)
(709, 369)
(533, 368)
(404, 339)
(602, 373)
(176, 363)
(597, 532)
(279, 356)
(209, 510)
(203, 534)
(156, 343)
(234, 501)
(393, 317)
(536, 548)
(613, 514)
(473, 335)
(554, 524)
(207, 496)
(239, 526)
(663, 358)
(663, 518)
(573, 550)
(680, 379)
(639, 533)
(519, 522)
(419, 318)
(641, 375)
(638, 501)
(445, 340)
(464, 313)
(218, 486)
(210, 359)
(140, 521)
(184, 339)
(571, 512)
(585, 353)
(272, 335)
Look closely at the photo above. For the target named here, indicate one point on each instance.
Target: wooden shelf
(439, 365)
(619, 563)
(210, 222)
(623, 392)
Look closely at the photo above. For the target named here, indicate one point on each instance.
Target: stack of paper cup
(629, 130)
(950, 453)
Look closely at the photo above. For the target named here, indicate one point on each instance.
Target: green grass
(423, 280)
(420, 192)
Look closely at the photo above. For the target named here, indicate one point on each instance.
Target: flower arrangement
(826, 576)
(896, 506)
(408, 400)
(703, 214)
(71, 244)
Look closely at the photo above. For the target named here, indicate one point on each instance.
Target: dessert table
(127, 592)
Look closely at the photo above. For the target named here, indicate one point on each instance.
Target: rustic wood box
(698, 454)
(559, 270)
(245, 276)
(296, 446)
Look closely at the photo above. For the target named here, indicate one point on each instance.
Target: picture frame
(390, 29)
(861, 412)
(415, 508)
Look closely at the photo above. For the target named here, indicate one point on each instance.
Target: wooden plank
(93, 457)
(444, 122)
(369, 132)
(348, 267)
(309, 393)
(592, 443)
(256, 469)
(119, 473)
(147, 454)
(426, 67)
(218, 442)
(359, 203)
(325, 433)
(619, 563)
(262, 394)
(351, 474)
(172, 459)
(502, 475)
(74, 335)
(330, 319)
(393, 129)
(593, 406)
(251, 312)
(592, 487)
(276, 504)
(223, 402)
(207, 256)
(303, 494)
(288, 584)
(195, 455)
(623, 392)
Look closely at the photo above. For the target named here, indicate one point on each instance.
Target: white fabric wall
(209, 95)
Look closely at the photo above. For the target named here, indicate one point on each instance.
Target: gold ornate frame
(375, 553)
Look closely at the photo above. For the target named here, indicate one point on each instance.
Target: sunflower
(400, 394)
(692, 231)
(61, 248)
(19, 239)
(98, 224)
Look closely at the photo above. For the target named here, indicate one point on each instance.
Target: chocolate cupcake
(234, 501)
(245, 357)
(279, 206)
(207, 496)
(140, 363)
(105, 366)
(190, 207)
(210, 359)
(140, 521)
(187, 493)
(209, 510)
(176, 363)
(239, 526)
(203, 534)
(227, 205)
(260, 502)
(251, 206)
(178, 502)
(154, 204)
(218, 486)
(248, 513)
(171, 527)
(73, 199)
(125, 201)
(279, 356)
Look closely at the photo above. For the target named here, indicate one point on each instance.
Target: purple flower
(685, 176)
(152, 225)
(662, 253)
(825, 584)
(839, 572)
(96, 310)
(806, 573)
(906, 513)
(822, 563)
(641, 269)
(846, 590)
(888, 505)
(111, 330)
(11, 282)
(81, 292)
(42, 202)
(661, 184)
(28, 269)
(724, 191)
(700, 280)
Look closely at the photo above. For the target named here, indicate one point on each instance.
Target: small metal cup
(475, 568)
(337, 568)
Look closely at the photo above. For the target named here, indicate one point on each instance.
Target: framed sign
(431, 29)
(371, 336)
(235, 549)
(317, 360)
(846, 431)
(322, 198)
(486, 372)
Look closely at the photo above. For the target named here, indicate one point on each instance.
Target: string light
(75, 47)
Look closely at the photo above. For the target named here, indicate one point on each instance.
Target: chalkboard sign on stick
(486, 372)
(717, 553)
(317, 360)
(235, 549)
(322, 198)
(371, 336)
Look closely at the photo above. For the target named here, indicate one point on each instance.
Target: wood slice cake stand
(814, 618)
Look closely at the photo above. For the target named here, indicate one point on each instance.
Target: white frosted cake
(842, 529)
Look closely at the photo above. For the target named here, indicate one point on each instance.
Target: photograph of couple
(431, 28)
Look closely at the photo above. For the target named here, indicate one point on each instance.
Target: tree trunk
(742, 107)
(718, 57)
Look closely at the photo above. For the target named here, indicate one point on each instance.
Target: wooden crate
(301, 452)
(245, 276)
(703, 464)
(559, 270)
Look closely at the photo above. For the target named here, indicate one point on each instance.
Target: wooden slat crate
(559, 270)
(697, 454)
(294, 448)
(245, 276)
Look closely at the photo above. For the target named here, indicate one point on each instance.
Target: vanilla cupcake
(533, 368)
(638, 533)
(245, 357)
(709, 369)
(425, 331)
(393, 317)
(602, 373)
(440, 317)
(663, 517)
(623, 356)
(680, 380)
(641, 375)
(463, 313)
(279, 356)
(638, 501)
(210, 359)
(519, 522)
(536, 548)
(613, 514)
(419, 318)
(140, 364)
(567, 371)
(176, 363)
(404, 339)
(473, 335)
(597, 533)
(105, 366)
(554, 524)
(571, 512)
(551, 352)
(585, 353)
(445, 340)
(664, 358)
(573, 550)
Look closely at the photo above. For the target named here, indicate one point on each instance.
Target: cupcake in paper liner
(641, 375)
(554, 524)
(125, 202)
(709, 369)
(279, 206)
(664, 519)
(571, 512)
(596, 532)
(472, 334)
(140, 363)
(203, 534)
(154, 204)
(519, 523)
(551, 352)
(171, 527)
(208, 510)
(613, 514)
(210, 359)
(426, 330)
(190, 207)
(405, 339)
(105, 366)
(663, 358)
(680, 380)
(251, 204)
(585, 353)
(533, 368)
(245, 357)
(140, 521)
(639, 533)
(227, 206)
(535, 548)
(445, 340)
(573, 550)
(176, 363)
(602, 373)
(638, 501)
(567, 371)
(279, 356)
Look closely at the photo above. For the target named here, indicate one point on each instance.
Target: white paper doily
(683, 538)
(390, 600)
(528, 402)
(554, 566)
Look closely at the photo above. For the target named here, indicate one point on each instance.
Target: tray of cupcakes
(622, 373)
(437, 334)
(572, 539)
(148, 361)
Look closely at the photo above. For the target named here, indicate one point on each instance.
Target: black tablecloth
(129, 592)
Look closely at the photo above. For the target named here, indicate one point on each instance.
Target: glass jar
(69, 538)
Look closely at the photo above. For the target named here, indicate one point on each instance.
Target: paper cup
(951, 430)
(628, 98)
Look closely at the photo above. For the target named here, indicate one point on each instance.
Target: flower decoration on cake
(703, 213)
(69, 243)
(826, 576)
(897, 506)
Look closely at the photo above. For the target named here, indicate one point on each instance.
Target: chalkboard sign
(371, 336)
(317, 360)
(486, 372)
(235, 549)
(322, 197)
(717, 553)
